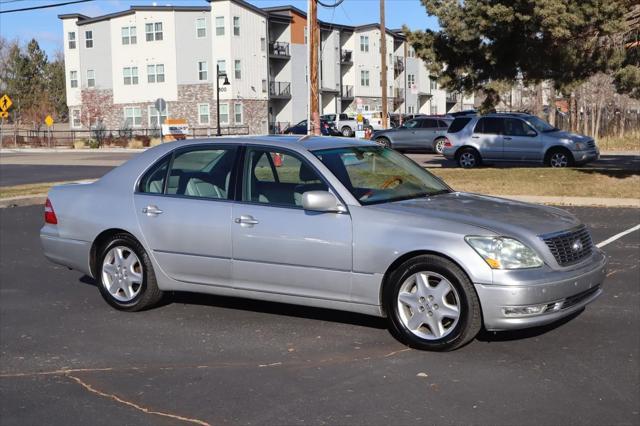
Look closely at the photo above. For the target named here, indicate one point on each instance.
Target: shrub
(134, 144)
(94, 144)
(79, 144)
(155, 141)
(144, 139)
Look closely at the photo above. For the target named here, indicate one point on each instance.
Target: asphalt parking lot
(67, 358)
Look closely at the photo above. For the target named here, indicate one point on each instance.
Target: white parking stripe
(615, 237)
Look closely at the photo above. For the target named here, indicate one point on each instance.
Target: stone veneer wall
(373, 103)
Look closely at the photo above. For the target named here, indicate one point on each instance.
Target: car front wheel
(347, 132)
(559, 158)
(432, 305)
(125, 275)
(469, 158)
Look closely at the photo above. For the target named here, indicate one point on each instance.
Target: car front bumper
(581, 157)
(560, 294)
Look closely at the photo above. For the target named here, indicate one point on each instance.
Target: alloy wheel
(559, 159)
(440, 146)
(467, 159)
(122, 274)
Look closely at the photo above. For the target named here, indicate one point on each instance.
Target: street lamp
(226, 83)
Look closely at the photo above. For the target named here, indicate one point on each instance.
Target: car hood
(561, 134)
(498, 215)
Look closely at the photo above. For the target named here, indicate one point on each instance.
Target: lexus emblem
(577, 246)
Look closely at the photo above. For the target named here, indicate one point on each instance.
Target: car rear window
(458, 124)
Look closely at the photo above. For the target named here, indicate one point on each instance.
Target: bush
(80, 144)
(125, 131)
(99, 133)
(94, 144)
(155, 141)
(135, 144)
(144, 139)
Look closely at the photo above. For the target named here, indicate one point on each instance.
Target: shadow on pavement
(525, 333)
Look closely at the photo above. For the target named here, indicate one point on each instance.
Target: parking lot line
(615, 237)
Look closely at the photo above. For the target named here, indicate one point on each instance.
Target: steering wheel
(387, 183)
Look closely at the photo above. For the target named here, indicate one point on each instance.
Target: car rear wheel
(559, 158)
(384, 142)
(432, 305)
(125, 275)
(346, 131)
(469, 158)
(438, 145)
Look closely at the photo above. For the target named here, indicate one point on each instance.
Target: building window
(434, 109)
(155, 73)
(76, 122)
(156, 118)
(73, 79)
(132, 116)
(201, 27)
(264, 86)
(222, 66)
(153, 31)
(130, 75)
(203, 71)
(411, 110)
(237, 69)
(236, 25)
(91, 78)
(411, 80)
(203, 113)
(88, 39)
(263, 44)
(224, 113)
(364, 43)
(72, 40)
(237, 111)
(129, 35)
(434, 84)
(219, 25)
(364, 78)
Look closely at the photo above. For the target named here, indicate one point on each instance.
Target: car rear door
(487, 137)
(185, 214)
(278, 247)
(521, 141)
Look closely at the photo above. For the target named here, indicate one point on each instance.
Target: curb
(23, 201)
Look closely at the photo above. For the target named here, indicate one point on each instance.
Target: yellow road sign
(5, 103)
(4, 114)
(48, 121)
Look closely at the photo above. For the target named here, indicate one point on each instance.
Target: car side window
(153, 180)
(489, 126)
(280, 185)
(429, 123)
(411, 124)
(517, 127)
(202, 173)
(442, 124)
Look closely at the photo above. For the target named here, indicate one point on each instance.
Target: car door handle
(151, 211)
(246, 220)
(475, 137)
(507, 138)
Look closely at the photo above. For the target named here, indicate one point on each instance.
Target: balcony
(398, 94)
(279, 50)
(347, 93)
(452, 97)
(346, 57)
(280, 90)
(398, 65)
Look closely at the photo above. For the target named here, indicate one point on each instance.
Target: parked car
(346, 125)
(301, 129)
(419, 134)
(519, 137)
(333, 223)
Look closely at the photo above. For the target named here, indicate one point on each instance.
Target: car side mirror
(532, 132)
(321, 201)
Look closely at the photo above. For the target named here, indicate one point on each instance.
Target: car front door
(403, 135)
(521, 141)
(487, 136)
(185, 214)
(278, 247)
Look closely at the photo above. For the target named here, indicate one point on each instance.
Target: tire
(448, 285)
(558, 158)
(129, 283)
(384, 142)
(469, 158)
(346, 131)
(438, 145)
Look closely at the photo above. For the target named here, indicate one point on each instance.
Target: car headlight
(504, 253)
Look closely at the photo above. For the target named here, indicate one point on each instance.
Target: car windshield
(380, 175)
(540, 125)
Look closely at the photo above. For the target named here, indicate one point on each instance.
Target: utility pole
(314, 99)
(383, 62)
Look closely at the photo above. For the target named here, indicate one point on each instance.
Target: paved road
(22, 168)
(228, 361)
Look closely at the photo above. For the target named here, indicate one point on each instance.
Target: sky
(46, 28)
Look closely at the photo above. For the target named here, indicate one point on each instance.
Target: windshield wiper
(442, 191)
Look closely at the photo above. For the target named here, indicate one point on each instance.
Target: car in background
(346, 125)
(517, 137)
(326, 129)
(419, 134)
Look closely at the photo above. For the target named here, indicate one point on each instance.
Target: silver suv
(515, 137)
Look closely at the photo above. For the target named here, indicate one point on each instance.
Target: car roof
(298, 143)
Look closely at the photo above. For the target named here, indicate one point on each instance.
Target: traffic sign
(5, 103)
(160, 105)
(4, 114)
(48, 121)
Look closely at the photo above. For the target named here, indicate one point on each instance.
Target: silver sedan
(322, 222)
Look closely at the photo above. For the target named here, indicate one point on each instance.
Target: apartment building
(127, 60)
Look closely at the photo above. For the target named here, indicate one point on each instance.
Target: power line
(334, 5)
(46, 6)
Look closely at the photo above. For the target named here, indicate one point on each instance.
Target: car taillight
(49, 214)
(447, 143)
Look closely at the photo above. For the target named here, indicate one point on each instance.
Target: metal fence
(17, 137)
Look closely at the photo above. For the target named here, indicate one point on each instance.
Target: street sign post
(161, 106)
(5, 104)
(49, 122)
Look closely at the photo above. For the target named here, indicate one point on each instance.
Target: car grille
(577, 298)
(591, 144)
(570, 246)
